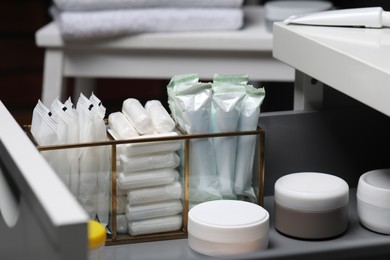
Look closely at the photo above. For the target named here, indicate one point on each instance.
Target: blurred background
(21, 63)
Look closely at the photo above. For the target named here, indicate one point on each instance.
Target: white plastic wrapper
(47, 131)
(155, 194)
(153, 210)
(226, 107)
(89, 165)
(149, 162)
(138, 116)
(136, 149)
(121, 203)
(246, 144)
(121, 126)
(68, 133)
(131, 181)
(121, 224)
(155, 225)
(161, 120)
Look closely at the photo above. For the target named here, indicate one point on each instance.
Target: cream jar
(373, 200)
(311, 205)
(227, 227)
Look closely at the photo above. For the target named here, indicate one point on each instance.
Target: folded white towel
(147, 179)
(155, 225)
(152, 161)
(153, 210)
(155, 194)
(88, 5)
(112, 23)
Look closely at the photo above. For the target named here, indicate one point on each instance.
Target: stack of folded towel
(148, 192)
(96, 19)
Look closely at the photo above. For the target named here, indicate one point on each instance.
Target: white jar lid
(228, 221)
(280, 10)
(374, 188)
(311, 191)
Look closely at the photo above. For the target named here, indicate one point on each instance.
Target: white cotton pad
(227, 227)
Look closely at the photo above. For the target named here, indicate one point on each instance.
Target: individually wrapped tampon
(138, 116)
(162, 122)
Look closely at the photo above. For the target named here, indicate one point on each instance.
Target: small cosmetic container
(373, 200)
(311, 205)
(227, 227)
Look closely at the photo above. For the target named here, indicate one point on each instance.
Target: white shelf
(354, 61)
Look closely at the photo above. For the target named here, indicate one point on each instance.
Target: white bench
(161, 56)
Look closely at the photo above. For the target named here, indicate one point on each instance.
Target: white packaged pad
(121, 126)
(155, 194)
(155, 225)
(161, 120)
(149, 162)
(131, 181)
(153, 210)
(138, 116)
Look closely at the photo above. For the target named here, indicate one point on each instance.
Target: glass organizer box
(186, 177)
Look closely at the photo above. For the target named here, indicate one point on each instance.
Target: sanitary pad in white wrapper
(155, 194)
(122, 127)
(138, 116)
(149, 162)
(153, 210)
(155, 225)
(130, 181)
(161, 120)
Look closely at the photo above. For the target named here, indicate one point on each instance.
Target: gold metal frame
(115, 238)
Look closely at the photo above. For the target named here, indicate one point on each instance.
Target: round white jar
(227, 227)
(311, 205)
(373, 200)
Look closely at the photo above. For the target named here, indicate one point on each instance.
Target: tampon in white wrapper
(121, 202)
(153, 210)
(137, 115)
(155, 225)
(131, 181)
(161, 120)
(122, 127)
(149, 162)
(155, 194)
(121, 224)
